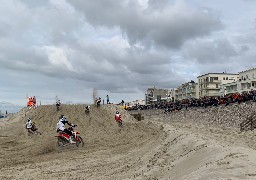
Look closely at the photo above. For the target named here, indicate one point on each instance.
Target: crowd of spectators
(202, 102)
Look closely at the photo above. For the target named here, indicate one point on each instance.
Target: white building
(154, 95)
(245, 83)
(210, 84)
(187, 91)
(247, 80)
(137, 102)
(229, 88)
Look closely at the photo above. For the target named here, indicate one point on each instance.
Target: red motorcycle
(63, 138)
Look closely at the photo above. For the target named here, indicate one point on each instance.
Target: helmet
(29, 119)
(117, 112)
(62, 116)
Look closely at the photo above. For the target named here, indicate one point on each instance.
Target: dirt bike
(33, 130)
(58, 107)
(87, 110)
(120, 123)
(63, 138)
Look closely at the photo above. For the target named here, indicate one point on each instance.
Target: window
(253, 84)
(217, 86)
(223, 78)
(226, 78)
(215, 78)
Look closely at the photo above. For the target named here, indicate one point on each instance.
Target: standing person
(254, 95)
(34, 101)
(107, 99)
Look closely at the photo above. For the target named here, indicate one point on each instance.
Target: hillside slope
(149, 149)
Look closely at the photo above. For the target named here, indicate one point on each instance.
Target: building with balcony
(247, 80)
(137, 102)
(229, 88)
(210, 84)
(187, 91)
(154, 95)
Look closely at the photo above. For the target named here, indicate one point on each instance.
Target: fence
(249, 123)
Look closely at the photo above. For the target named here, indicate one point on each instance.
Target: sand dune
(150, 149)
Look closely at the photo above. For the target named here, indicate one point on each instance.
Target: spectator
(107, 99)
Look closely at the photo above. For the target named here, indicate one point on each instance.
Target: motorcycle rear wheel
(120, 124)
(61, 142)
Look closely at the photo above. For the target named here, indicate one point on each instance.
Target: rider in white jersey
(61, 127)
(29, 125)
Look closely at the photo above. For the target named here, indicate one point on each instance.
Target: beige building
(187, 91)
(210, 84)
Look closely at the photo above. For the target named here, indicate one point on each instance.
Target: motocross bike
(120, 123)
(33, 131)
(63, 138)
(87, 110)
(58, 107)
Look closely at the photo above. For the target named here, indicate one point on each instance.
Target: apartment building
(136, 102)
(187, 91)
(154, 95)
(229, 88)
(210, 84)
(247, 80)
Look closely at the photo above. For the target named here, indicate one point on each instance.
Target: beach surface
(162, 146)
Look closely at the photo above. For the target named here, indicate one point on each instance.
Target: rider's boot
(71, 140)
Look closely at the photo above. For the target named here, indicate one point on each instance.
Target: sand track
(150, 149)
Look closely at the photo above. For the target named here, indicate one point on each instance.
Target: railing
(249, 123)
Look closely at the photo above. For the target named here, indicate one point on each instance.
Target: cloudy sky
(119, 47)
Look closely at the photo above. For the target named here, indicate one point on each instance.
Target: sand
(155, 148)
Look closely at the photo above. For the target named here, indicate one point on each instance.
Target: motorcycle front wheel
(79, 141)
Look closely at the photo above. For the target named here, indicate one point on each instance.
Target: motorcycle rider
(58, 104)
(61, 127)
(29, 125)
(87, 109)
(118, 117)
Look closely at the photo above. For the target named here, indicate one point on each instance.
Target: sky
(68, 48)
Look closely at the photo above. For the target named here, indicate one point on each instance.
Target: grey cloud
(157, 4)
(53, 45)
(169, 27)
(210, 51)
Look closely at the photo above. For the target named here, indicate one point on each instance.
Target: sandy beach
(161, 146)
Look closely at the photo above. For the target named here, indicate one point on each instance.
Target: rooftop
(248, 70)
(218, 73)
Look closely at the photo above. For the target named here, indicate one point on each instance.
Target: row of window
(247, 77)
(212, 79)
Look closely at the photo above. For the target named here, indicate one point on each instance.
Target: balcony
(211, 88)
